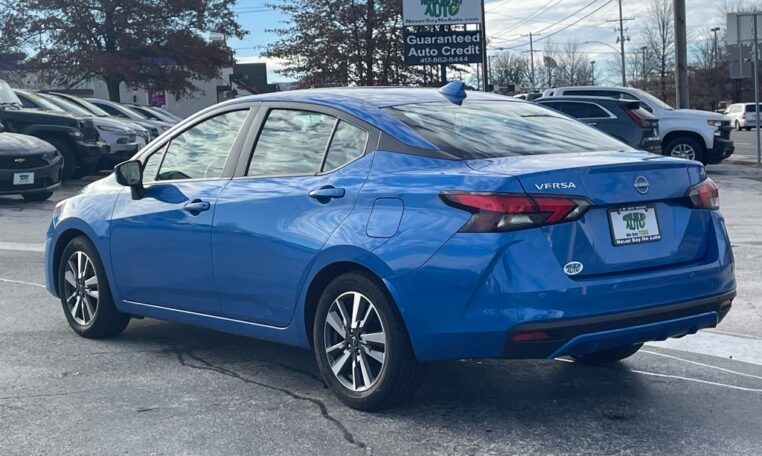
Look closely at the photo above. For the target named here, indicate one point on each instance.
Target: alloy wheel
(355, 341)
(684, 151)
(81, 288)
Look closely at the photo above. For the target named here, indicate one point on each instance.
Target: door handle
(327, 193)
(197, 206)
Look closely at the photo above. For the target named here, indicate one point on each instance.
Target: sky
(556, 22)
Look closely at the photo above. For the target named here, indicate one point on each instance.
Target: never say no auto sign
(428, 48)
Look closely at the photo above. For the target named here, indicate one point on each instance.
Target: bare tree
(507, 68)
(660, 39)
(573, 65)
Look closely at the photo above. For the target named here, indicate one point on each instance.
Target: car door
(300, 183)
(161, 243)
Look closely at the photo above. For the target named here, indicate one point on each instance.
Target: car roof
(568, 98)
(365, 103)
(622, 89)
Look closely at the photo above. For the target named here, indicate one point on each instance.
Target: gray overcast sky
(507, 20)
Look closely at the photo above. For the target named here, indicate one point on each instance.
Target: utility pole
(621, 39)
(715, 49)
(592, 64)
(483, 29)
(531, 58)
(681, 56)
(644, 76)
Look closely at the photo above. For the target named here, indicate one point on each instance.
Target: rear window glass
(751, 108)
(488, 129)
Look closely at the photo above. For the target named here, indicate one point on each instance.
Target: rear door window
(347, 144)
(291, 142)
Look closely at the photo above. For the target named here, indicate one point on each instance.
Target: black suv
(76, 138)
(625, 120)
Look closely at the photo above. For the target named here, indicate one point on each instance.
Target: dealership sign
(428, 48)
(441, 12)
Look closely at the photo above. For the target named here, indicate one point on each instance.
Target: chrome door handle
(327, 193)
(197, 206)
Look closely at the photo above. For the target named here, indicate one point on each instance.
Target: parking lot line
(22, 246)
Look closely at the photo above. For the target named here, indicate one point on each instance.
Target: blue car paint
(459, 293)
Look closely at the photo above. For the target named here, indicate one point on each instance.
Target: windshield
(42, 102)
(68, 106)
(90, 107)
(7, 96)
(488, 129)
(652, 100)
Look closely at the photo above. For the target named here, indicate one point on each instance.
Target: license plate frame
(630, 238)
(26, 178)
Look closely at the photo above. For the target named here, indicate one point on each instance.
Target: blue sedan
(385, 228)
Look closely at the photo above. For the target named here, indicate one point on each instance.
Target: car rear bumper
(475, 293)
(46, 178)
(583, 336)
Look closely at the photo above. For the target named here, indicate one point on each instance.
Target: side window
(347, 144)
(291, 142)
(574, 109)
(201, 151)
(596, 112)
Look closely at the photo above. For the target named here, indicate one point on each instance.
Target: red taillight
(636, 117)
(530, 336)
(504, 212)
(705, 195)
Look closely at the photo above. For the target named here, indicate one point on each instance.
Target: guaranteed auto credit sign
(428, 48)
(441, 12)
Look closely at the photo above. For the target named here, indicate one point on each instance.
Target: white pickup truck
(685, 133)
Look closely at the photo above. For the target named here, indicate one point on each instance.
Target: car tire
(37, 196)
(608, 356)
(378, 368)
(85, 293)
(69, 159)
(738, 126)
(685, 147)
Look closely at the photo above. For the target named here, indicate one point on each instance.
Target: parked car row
(683, 133)
(86, 134)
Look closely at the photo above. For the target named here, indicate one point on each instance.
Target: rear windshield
(488, 129)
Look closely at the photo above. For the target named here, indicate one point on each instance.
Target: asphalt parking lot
(165, 388)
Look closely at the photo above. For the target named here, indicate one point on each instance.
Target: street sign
(741, 26)
(428, 48)
(441, 12)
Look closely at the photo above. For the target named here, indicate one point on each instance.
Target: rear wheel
(37, 196)
(609, 356)
(738, 126)
(685, 147)
(85, 293)
(69, 164)
(361, 344)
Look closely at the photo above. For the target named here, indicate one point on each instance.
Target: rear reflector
(705, 195)
(496, 212)
(530, 336)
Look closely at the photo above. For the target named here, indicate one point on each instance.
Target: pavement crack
(206, 365)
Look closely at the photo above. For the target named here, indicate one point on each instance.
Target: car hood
(696, 114)
(105, 121)
(15, 144)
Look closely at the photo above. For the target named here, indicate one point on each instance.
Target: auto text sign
(429, 48)
(441, 12)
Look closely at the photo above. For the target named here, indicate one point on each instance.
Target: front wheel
(69, 159)
(85, 293)
(608, 356)
(685, 147)
(361, 344)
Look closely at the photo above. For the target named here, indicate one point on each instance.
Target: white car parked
(685, 133)
(743, 116)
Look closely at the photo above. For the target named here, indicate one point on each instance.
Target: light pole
(644, 76)
(715, 49)
(592, 64)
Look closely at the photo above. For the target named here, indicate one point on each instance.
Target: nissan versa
(385, 228)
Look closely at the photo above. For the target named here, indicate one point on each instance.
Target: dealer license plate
(634, 225)
(23, 178)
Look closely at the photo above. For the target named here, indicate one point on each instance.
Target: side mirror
(130, 174)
